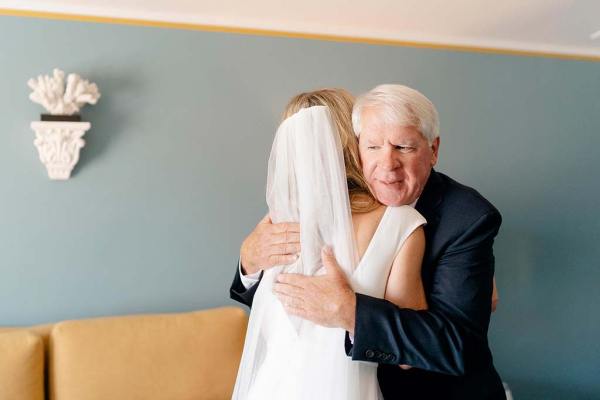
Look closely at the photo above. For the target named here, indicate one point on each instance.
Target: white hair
(399, 105)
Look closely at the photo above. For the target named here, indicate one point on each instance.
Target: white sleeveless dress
(285, 357)
(304, 365)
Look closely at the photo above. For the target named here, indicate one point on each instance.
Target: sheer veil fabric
(285, 357)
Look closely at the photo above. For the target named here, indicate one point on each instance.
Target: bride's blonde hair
(340, 102)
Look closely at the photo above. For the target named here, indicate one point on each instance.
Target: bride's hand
(269, 245)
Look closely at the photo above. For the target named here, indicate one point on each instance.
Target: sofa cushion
(168, 356)
(21, 365)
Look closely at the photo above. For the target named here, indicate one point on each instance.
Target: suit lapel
(431, 198)
(428, 205)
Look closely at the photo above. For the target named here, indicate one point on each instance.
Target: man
(439, 353)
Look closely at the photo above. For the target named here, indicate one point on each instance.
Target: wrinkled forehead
(375, 127)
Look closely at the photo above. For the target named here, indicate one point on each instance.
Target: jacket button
(369, 353)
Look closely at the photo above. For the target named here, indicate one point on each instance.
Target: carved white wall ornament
(58, 144)
(51, 93)
(58, 137)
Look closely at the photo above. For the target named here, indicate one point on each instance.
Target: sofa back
(21, 365)
(192, 355)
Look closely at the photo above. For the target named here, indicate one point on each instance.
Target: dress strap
(396, 226)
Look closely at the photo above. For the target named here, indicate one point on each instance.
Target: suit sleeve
(449, 337)
(238, 292)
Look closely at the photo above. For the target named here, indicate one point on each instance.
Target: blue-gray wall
(172, 176)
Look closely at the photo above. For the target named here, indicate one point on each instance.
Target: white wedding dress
(285, 357)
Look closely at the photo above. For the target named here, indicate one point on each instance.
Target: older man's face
(396, 160)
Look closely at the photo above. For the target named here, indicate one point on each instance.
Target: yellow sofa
(180, 356)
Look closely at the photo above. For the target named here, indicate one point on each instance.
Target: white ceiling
(549, 26)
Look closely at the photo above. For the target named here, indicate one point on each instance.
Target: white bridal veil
(306, 182)
(285, 357)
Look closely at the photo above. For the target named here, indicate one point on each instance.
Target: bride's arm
(404, 286)
(495, 298)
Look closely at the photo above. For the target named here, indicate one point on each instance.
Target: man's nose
(388, 160)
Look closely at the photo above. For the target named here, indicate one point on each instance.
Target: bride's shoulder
(407, 213)
(368, 221)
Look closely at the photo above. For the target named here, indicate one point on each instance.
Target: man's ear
(435, 147)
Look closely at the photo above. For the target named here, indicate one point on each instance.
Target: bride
(315, 178)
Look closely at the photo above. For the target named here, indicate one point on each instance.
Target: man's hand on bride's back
(269, 245)
(326, 300)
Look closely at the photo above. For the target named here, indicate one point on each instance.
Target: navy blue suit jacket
(447, 343)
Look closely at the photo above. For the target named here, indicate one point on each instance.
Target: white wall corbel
(58, 136)
(58, 144)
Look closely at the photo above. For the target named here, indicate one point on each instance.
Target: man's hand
(326, 300)
(269, 245)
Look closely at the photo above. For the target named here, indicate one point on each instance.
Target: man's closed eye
(404, 149)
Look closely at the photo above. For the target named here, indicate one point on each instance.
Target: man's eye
(405, 149)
